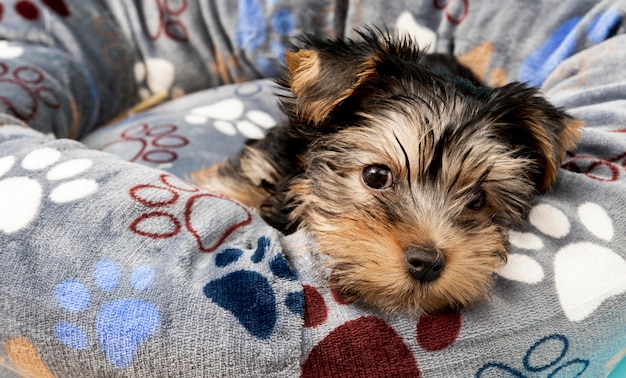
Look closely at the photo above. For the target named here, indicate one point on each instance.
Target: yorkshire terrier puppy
(407, 175)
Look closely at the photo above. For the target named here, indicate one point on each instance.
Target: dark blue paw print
(121, 325)
(544, 358)
(561, 44)
(248, 294)
(251, 34)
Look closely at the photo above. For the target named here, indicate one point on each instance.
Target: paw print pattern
(603, 170)
(154, 76)
(168, 22)
(585, 273)
(29, 82)
(374, 341)
(9, 50)
(561, 44)
(580, 66)
(229, 118)
(248, 294)
(29, 11)
(23, 359)
(544, 358)
(251, 34)
(154, 144)
(374, 347)
(121, 325)
(455, 11)
(22, 196)
(159, 223)
(423, 36)
(479, 59)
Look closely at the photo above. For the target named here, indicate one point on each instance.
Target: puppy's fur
(407, 175)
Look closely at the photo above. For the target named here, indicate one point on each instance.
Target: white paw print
(585, 273)
(21, 197)
(229, 118)
(424, 37)
(9, 50)
(159, 75)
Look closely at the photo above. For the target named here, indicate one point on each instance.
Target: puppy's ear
(535, 127)
(322, 80)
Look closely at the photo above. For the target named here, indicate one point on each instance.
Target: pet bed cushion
(114, 265)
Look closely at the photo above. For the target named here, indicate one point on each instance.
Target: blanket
(114, 265)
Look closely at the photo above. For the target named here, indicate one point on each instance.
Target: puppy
(407, 175)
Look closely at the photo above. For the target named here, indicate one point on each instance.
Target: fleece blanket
(114, 266)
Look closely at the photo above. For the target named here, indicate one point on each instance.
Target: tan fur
(250, 192)
(305, 70)
(566, 140)
(305, 67)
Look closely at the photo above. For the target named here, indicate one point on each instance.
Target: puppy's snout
(425, 265)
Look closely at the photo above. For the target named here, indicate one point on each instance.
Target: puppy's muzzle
(424, 264)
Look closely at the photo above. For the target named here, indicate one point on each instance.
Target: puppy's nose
(425, 265)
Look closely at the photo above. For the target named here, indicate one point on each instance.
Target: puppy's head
(412, 175)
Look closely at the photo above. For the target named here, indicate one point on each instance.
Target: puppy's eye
(377, 177)
(478, 202)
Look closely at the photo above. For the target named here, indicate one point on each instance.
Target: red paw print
(151, 143)
(28, 10)
(604, 170)
(25, 83)
(172, 196)
(168, 22)
(368, 346)
(455, 11)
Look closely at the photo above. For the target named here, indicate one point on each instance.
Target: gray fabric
(115, 268)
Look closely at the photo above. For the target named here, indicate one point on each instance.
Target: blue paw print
(544, 358)
(121, 325)
(248, 294)
(251, 33)
(562, 44)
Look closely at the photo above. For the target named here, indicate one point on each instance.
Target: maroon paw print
(603, 170)
(172, 196)
(25, 82)
(30, 11)
(151, 143)
(370, 341)
(167, 21)
(455, 11)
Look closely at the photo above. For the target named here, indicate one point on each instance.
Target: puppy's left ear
(538, 129)
(321, 80)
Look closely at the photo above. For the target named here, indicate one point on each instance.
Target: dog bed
(114, 265)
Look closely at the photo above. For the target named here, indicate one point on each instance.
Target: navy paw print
(248, 294)
(252, 33)
(121, 325)
(544, 358)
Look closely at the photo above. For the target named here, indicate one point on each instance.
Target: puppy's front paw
(220, 178)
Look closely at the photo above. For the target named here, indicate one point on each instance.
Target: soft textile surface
(113, 268)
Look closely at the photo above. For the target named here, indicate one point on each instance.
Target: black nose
(425, 265)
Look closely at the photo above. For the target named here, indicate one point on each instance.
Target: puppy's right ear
(539, 130)
(320, 83)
